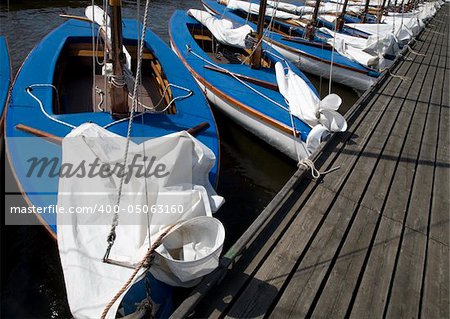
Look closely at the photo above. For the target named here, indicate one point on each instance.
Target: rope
(97, 44)
(117, 81)
(102, 94)
(141, 264)
(153, 109)
(415, 52)
(29, 89)
(150, 108)
(122, 120)
(401, 77)
(309, 164)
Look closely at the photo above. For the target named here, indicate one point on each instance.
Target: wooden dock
(370, 239)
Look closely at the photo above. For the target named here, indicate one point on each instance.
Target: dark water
(251, 172)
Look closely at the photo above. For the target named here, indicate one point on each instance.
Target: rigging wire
(93, 55)
(236, 78)
(139, 83)
(115, 222)
(332, 56)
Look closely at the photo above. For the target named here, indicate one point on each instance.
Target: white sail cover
(372, 3)
(90, 283)
(352, 47)
(222, 29)
(253, 8)
(402, 29)
(306, 105)
(413, 25)
(304, 9)
(289, 7)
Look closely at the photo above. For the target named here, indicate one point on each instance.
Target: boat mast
(340, 19)
(117, 88)
(380, 12)
(255, 62)
(311, 27)
(366, 8)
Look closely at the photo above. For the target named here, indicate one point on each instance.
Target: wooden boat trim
(39, 133)
(88, 53)
(202, 37)
(284, 128)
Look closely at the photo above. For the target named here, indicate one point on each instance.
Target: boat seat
(202, 37)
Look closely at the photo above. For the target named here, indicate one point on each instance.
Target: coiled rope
(315, 173)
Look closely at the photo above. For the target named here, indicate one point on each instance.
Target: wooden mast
(311, 27)
(118, 90)
(380, 12)
(255, 62)
(366, 8)
(340, 19)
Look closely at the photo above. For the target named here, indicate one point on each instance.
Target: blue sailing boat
(60, 86)
(245, 79)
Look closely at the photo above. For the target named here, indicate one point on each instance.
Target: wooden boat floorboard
(370, 239)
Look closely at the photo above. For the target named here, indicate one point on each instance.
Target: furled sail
(303, 103)
(223, 30)
(306, 105)
(253, 8)
(147, 207)
(353, 47)
(301, 10)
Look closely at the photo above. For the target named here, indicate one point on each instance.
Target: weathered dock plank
(338, 288)
(435, 303)
(372, 291)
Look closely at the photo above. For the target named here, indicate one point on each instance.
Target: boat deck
(370, 239)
